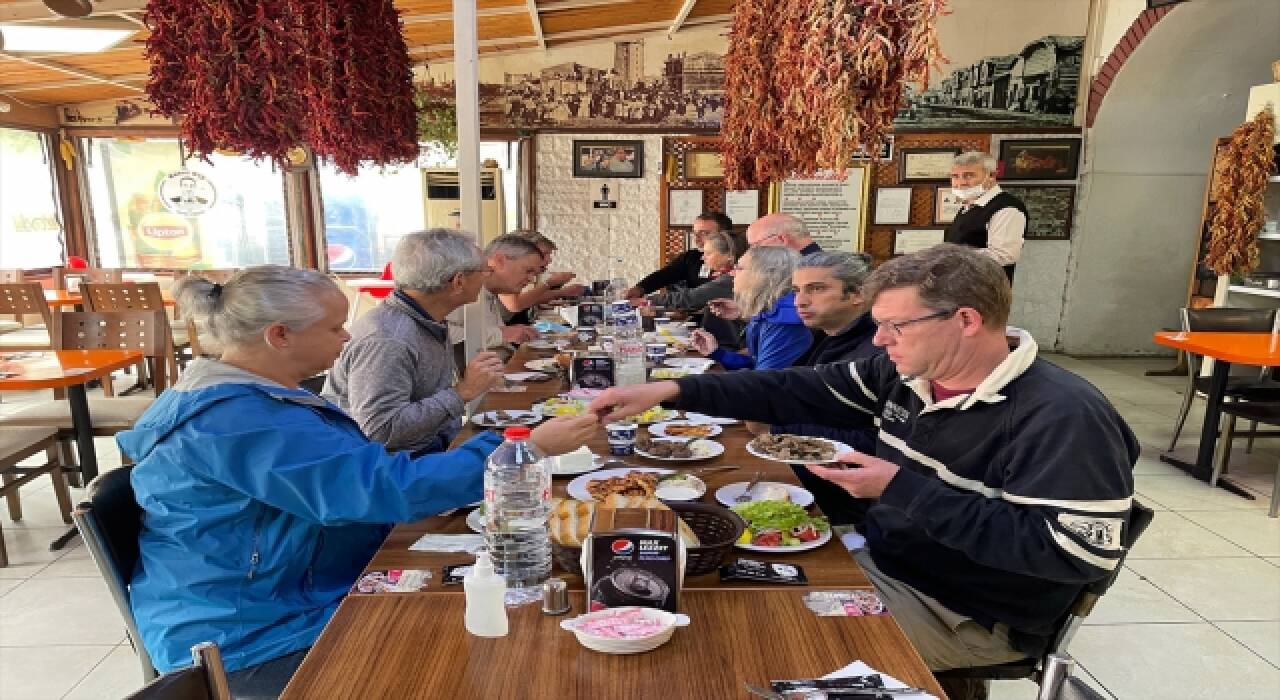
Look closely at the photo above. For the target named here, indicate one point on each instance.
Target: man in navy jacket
(1002, 482)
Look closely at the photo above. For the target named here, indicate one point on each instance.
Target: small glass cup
(656, 352)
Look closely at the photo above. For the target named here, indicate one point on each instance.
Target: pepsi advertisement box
(590, 314)
(633, 556)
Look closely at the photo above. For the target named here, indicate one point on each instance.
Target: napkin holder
(633, 556)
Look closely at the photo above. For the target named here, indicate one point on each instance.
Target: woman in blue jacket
(775, 335)
(262, 502)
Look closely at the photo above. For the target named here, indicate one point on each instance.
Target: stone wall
(593, 241)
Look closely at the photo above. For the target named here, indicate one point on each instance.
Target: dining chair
(16, 446)
(1038, 668)
(109, 522)
(10, 276)
(1254, 387)
(21, 300)
(144, 296)
(1256, 412)
(204, 679)
(95, 275)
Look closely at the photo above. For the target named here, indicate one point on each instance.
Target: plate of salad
(779, 527)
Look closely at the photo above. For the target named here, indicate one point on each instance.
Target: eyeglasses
(895, 327)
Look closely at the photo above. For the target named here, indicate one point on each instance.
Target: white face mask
(968, 194)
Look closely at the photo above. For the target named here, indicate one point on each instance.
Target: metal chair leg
(1253, 429)
(1224, 448)
(1057, 669)
(1275, 495)
(1187, 398)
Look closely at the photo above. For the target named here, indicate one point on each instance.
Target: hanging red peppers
(263, 76)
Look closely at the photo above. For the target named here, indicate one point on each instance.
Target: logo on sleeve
(893, 413)
(1103, 533)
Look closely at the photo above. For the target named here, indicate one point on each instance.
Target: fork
(745, 496)
(763, 692)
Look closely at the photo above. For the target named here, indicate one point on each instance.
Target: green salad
(779, 524)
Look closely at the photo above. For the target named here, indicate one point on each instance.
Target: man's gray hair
(793, 226)
(425, 261)
(512, 245)
(850, 268)
(771, 269)
(986, 160)
(236, 313)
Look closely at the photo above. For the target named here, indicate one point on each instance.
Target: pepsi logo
(622, 547)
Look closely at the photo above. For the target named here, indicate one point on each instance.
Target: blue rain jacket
(776, 338)
(262, 505)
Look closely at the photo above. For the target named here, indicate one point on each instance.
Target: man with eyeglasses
(397, 375)
(1002, 481)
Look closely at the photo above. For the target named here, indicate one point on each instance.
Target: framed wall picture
(926, 164)
(893, 206)
(608, 158)
(742, 206)
(1049, 210)
(910, 240)
(1040, 159)
(683, 206)
(703, 165)
(886, 150)
(945, 205)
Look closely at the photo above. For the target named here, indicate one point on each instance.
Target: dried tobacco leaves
(1238, 213)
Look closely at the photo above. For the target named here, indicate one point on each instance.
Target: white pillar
(466, 77)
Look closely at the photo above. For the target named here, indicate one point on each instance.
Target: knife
(745, 496)
(854, 686)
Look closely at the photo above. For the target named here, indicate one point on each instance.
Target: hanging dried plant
(1238, 211)
(437, 118)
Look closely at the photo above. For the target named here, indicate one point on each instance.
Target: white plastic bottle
(517, 502)
(629, 343)
(486, 614)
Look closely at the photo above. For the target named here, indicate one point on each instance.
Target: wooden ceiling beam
(83, 74)
(435, 48)
(532, 6)
(78, 82)
(546, 6)
(681, 17)
(35, 10)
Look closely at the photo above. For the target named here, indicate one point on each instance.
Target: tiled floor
(1195, 614)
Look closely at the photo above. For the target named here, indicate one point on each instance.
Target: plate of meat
(678, 449)
(796, 449)
(627, 481)
(504, 418)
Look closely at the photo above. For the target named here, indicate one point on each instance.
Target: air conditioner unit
(440, 198)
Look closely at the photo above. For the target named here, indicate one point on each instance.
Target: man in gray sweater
(397, 376)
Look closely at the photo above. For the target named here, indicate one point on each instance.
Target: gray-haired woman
(775, 335)
(262, 502)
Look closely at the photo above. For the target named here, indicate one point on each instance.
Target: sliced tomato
(768, 537)
(805, 533)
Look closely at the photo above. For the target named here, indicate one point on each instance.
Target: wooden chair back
(10, 276)
(26, 298)
(147, 331)
(92, 275)
(118, 296)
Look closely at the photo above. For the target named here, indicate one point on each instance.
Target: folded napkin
(448, 543)
(858, 668)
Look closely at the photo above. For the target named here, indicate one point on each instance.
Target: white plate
(475, 521)
(693, 417)
(660, 429)
(661, 417)
(541, 345)
(546, 364)
(578, 487)
(702, 449)
(841, 448)
(596, 461)
(803, 547)
(700, 363)
(799, 496)
(538, 408)
(698, 486)
(488, 419)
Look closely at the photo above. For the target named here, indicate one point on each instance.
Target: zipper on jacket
(255, 557)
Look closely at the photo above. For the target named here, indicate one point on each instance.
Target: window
(30, 228)
(365, 216)
(147, 213)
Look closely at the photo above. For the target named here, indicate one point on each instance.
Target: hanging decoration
(1241, 182)
(437, 117)
(261, 77)
(810, 83)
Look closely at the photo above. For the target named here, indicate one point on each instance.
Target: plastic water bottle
(629, 344)
(517, 502)
(486, 611)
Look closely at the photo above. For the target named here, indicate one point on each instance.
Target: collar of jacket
(405, 303)
(989, 389)
(782, 311)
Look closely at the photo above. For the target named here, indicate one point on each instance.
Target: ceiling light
(65, 36)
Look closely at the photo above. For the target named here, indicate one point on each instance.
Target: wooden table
(415, 646)
(62, 298)
(1258, 349)
(71, 370)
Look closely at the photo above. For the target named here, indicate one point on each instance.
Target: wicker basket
(717, 529)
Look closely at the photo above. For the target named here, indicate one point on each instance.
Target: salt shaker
(555, 597)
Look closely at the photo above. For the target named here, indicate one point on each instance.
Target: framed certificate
(703, 165)
(945, 206)
(910, 240)
(926, 164)
(893, 206)
(683, 207)
(742, 206)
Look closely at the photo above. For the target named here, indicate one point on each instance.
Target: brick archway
(1119, 55)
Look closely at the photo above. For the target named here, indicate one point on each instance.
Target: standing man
(687, 269)
(782, 229)
(991, 220)
(397, 376)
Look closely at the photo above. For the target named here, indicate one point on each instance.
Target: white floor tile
(1217, 589)
(41, 673)
(8, 584)
(1262, 637)
(29, 550)
(118, 675)
(1182, 661)
(1133, 599)
(76, 564)
(1013, 690)
(1181, 492)
(59, 611)
(1250, 529)
(1171, 536)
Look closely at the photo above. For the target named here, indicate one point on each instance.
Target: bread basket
(717, 529)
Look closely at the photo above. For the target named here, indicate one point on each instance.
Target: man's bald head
(779, 229)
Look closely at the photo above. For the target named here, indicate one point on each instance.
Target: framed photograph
(703, 165)
(608, 158)
(926, 164)
(945, 206)
(683, 206)
(886, 150)
(1049, 210)
(910, 240)
(893, 206)
(1040, 159)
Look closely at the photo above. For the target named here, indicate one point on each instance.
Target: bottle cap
(555, 597)
(516, 432)
(484, 565)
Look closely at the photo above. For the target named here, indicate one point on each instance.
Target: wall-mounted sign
(832, 208)
(187, 193)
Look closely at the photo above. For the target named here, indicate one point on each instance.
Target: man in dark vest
(990, 219)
